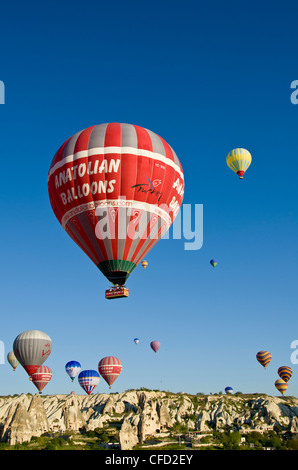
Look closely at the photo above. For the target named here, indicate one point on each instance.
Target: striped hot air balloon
(285, 373)
(264, 357)
(31, 349)
(281, 385)
(88, 380)
(239, 160)
(41, 377)
(144, 264)
(73, 368)
(116, 189)
(110, 368)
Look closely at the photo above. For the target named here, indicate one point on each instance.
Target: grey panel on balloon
(97, 137)
(128, 136)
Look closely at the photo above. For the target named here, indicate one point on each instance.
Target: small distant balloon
(264, 357)
(229, 390)
(144, 264)
(12, 360)
(285, 373)
(136, 340)
(213, 262)
(72, 369)
(155, 345)
(88, 380)
(281, 385)
(41, 377)
(239, 160)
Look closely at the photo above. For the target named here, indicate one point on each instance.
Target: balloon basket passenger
(117, 292)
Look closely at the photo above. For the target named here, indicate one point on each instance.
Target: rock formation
(138, 414)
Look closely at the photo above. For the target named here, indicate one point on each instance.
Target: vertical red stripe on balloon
(113, 135)
(83, 140)
(144, 139)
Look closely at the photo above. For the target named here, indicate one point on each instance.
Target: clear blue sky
(207, 78)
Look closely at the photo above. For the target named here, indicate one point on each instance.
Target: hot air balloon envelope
(136, 340)
(229, 390)
(12, 360)
(155, 345)
(285, 373)
(281, 385)
(110, 368)
(144, 264)
(239, 160)
(88, 380)
(31, 349)
(41, 377)
(264, 357)
(116, 189)
(213, 262)
(72, 369)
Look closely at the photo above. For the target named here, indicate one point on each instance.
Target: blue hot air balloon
(73, 368)
(136, 340)
(88, 379)
(229, 390)
(213, 262)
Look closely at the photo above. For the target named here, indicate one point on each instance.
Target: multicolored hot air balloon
(88, 379)
(41, 377)
(116, 189)
(264, 357)
(285, 373)
(239, 160)
(12, 360)
(229, 390)
(136, 340)
(281, 385)
(110, 368)
(155, 345)
(144, 264)
(31, 349)
(213, 262)
(72, 369)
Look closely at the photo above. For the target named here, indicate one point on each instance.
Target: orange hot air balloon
(281, 385)
(285, 373)
(264, 357)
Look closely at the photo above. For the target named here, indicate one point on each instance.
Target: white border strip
(114, 203)
(118, 150)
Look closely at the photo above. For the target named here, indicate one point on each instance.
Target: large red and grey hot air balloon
(41, 377)
(110, 368)
(116, 189)
(31, 349)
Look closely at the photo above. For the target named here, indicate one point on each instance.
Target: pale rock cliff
(138, 414)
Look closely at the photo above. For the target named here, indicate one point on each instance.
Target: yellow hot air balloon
(144, 264)
(281, 385)
(239, 160)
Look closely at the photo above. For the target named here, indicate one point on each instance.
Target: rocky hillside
(139, 413)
